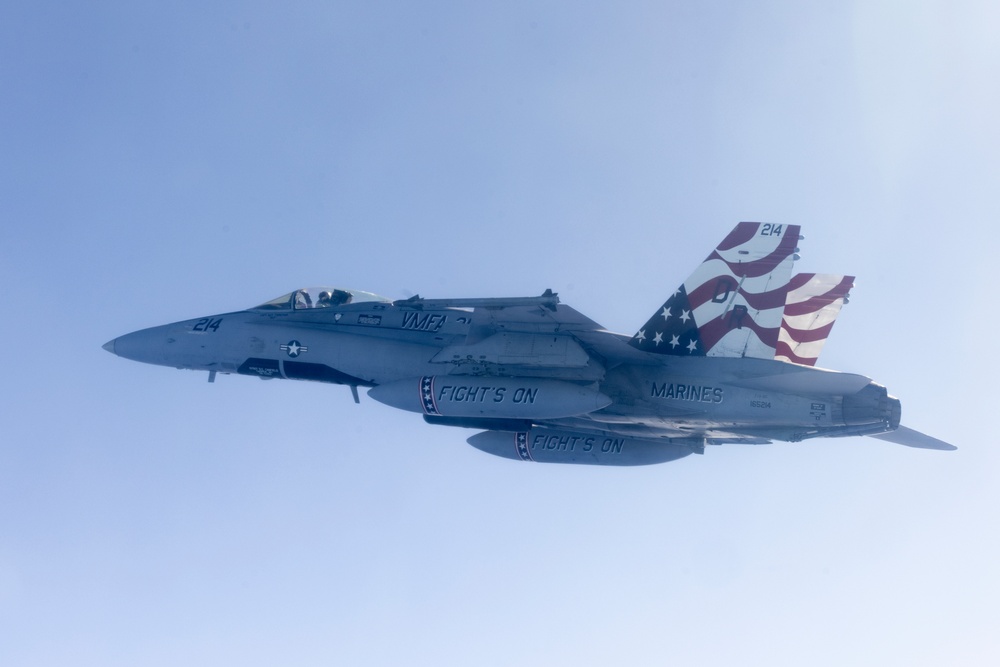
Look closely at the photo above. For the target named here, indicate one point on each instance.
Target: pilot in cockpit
(302, 299)
(336, 298)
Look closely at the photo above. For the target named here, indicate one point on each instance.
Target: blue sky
(159, 163)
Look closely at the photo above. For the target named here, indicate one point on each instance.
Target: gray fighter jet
(728, 359)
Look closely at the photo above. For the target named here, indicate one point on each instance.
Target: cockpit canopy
(320, 297)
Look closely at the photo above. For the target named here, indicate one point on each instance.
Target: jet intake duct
(547, 445)
(490, 397)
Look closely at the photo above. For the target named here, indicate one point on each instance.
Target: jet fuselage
(728, 359)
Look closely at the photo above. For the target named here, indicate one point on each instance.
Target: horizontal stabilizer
(911, 438)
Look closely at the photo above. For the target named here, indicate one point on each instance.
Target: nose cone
(142, 345)
(168, 345)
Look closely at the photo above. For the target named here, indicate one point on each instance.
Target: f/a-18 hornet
(728, 359)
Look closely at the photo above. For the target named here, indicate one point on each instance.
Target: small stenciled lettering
(370, 320)
(612, 445)
(687, 392)
(562, 443)
(573, 443)
(485, 394)
(523, 395)
(206, 324)
(760, 404)
(466, 394)
(817, 411)
(265, 368)
(424, 321)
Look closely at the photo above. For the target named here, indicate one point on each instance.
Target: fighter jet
(729, 358)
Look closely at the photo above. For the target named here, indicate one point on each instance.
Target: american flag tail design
(814, 300)
(732, 305)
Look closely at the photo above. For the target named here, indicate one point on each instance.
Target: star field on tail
(679, 332)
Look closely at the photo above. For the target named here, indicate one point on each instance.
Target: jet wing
(602, 347)
(529, 319)
(522, 335)
(518, 349)
(545, 315)
(533, 314)
(910, 438)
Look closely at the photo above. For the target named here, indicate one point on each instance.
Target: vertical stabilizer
(814, 300)
(732, 305)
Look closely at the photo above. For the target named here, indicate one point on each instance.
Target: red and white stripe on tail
(811, 307)
(731, 306)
